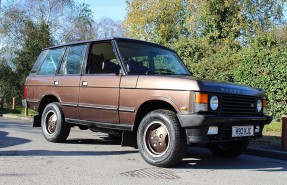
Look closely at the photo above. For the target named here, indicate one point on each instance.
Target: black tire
(230, 149)
(161, 140)
(54, 127)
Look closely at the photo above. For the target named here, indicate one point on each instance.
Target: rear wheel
(54, 127)
(228, 149)
(160, 138)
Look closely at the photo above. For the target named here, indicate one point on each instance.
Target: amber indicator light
(201, 98)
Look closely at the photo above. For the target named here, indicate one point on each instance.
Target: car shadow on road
(201, 158)
(101, 141)
(7, 141)
(63, 153)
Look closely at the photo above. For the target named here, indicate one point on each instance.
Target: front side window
(102, 59)
(51, 62)
(144, 58)
(73, 60)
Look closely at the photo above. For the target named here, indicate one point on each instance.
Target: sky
(115, 9)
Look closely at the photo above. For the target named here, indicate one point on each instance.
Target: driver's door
(99, 86)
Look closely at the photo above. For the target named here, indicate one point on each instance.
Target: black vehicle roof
(108, 39)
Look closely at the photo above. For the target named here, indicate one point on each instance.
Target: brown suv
(129, 88)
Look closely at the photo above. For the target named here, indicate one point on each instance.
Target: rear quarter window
(51, 62)
(39, 61)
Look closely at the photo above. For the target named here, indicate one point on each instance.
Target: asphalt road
(91, 158)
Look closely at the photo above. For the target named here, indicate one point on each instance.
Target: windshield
(141, 58)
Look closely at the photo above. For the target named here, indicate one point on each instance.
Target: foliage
(28, 26)
(108, 28)
(20, 111)
(274, 127)
(158, 21)
(241, 41)
(8, 82)
(36, 37)
(78, 25)
(260, 65)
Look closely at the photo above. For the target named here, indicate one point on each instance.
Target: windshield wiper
(159, 71)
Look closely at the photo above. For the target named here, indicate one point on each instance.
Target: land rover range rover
(129, 88)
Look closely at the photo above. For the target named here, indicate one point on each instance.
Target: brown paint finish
(98, 100)
(116, 98)
(133, 98)
(40, 86)
(67, 89)
(168, 83)
(144, 92)
(129, 81)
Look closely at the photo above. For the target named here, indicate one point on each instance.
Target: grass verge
(20, 111)
(271, 137)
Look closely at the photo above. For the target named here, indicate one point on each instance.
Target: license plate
(242, 131)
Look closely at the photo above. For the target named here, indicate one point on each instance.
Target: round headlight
(214, 102)
(259, 105)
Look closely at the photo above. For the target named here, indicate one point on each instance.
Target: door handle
(56, 83)
(84, 83)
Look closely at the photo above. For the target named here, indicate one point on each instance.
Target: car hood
(191, 83)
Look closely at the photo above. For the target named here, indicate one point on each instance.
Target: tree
(36, 37)
(241, 41)
(159, 21)
(8, 81)
(219, 20)
(66, 19)
(210, 20)
(108, 28)
(78, 25)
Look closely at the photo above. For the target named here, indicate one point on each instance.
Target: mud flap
(37, 121)
(129, 139)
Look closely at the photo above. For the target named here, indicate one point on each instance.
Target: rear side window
(51, 62)
(73, 60)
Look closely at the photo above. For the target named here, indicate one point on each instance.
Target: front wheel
(54, 127)
(160, 138)
(229, 149)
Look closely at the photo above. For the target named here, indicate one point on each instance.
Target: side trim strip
(126, 109)
(69, 105)
(99, 107)
(101, 124)
(112, 108)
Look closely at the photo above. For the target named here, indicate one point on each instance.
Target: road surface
(92, 158)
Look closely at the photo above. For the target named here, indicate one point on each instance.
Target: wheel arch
(49, 98)
(150, 105)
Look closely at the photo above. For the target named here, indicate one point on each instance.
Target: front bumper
(196, 126)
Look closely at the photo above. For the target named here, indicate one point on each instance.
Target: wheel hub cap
(157, 138)
(51, 122)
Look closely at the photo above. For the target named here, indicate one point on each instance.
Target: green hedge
(258, 65)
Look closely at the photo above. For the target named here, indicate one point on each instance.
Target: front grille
(238, 105)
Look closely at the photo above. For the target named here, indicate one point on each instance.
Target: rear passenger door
(66, 82)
